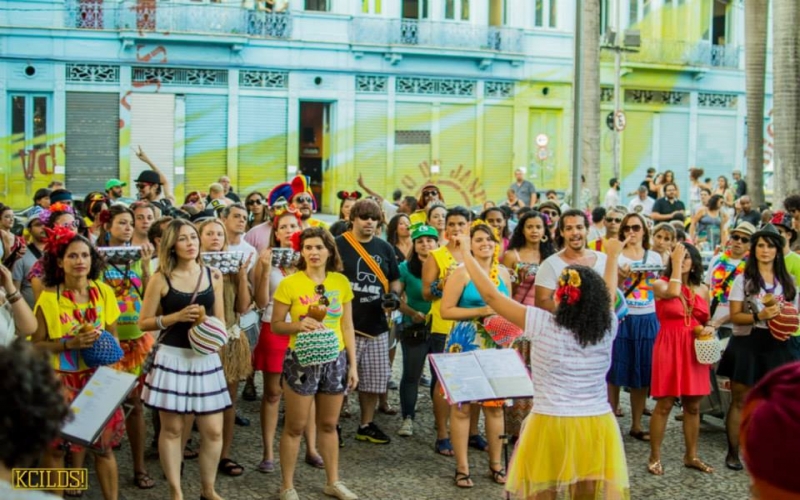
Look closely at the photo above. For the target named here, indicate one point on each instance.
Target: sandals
(733, 463)
(143, 481)
(463, 480)
(190, 454)
(478, 442)
(230, 468)
(618, 412)
(387, 409)
(498, 476)
(315, 461)
(655, 468)
(444, 447)
(249, 392)
(698, 464)
(640, 435)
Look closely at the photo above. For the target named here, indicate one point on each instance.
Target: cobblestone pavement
(408, 468)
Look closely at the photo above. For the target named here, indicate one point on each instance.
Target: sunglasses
(370, 217)
(616, 220)
(70, 224)
(430, 193)
(635, 228)
(259, 201)
(320, 290)
(142, 185)
(743, 239)
(303, 199)
(550, 213)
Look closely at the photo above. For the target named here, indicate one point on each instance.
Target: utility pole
(577, 107)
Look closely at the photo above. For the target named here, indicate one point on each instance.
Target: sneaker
(407, 429)
(290, 494)
(339, 434)
(372, 434)
(425, 381)
(392, 385)
(340, 491)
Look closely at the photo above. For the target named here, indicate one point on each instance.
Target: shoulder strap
(197, 286)
(638, 279)
(367, 258)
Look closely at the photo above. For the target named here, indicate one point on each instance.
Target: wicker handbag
(316, 348)
(105, 351)
(708, 350)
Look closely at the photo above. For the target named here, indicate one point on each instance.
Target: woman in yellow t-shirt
(319, 300)
(72, 311)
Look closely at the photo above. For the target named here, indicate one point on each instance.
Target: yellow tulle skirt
(569, 457)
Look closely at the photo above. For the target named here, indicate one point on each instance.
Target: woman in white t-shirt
(571, 443)
(753, 350)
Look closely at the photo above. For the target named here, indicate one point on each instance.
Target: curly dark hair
(588, 329)
(33, 401)
(517, 241)
(54, 275)
(753, 279)
(506, 233)
(715, 202)
(696, 271)
(334, 263)
(572, 212)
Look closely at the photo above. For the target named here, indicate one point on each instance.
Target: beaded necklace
(90, 314)
(688, 309)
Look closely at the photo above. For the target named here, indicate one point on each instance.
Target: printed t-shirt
(413, 288)
(368, 315)
(59, 316)
(127, 287)
(297, 291)
(737, 294)
(642, 299)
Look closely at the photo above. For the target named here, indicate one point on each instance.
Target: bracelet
(14, 298)
(64, 343)
(160, 322)
(435, 290)
(675, 280)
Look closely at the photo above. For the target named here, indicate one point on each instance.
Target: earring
(544, 239)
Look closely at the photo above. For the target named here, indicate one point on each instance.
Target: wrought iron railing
(681, 53)
(456, 35)
(177, 17)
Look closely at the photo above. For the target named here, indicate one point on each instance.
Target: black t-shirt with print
(368, 316)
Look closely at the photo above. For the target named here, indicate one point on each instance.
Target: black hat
(149, 176)
(61, 195)
(768, 231)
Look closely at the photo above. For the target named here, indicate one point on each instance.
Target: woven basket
(708, 351)
(105, 351)
(503, 332)
(316, 348)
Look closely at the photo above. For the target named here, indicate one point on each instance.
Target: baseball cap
(112, 183)
(420, 230)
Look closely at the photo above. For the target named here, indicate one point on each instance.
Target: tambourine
(121, 255)
(226, 262)
(647, 268)
(284, 257)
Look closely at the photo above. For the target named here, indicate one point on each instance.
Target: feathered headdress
(288, 190)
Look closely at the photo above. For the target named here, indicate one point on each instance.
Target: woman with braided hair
(462, 303)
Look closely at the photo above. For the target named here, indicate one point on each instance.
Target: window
(371, 6)
(545, 14)
(320, 5)
(497, 13)
(456, 9)
(415, 9)
(29, 120)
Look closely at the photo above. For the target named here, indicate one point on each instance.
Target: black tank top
(177, 335)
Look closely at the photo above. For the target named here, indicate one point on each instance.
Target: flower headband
(569, 284)
(58, 238)
(58, 206)
(344, 195)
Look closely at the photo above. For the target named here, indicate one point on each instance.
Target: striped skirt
(182, 381)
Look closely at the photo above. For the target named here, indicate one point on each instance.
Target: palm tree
(590, 153)
(756, 14)
(786, 90)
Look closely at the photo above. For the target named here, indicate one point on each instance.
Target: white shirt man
(642, 204)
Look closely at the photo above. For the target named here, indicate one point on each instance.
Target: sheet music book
(96, 403)
(482, 375)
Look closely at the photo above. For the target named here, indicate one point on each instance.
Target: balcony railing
(680, 53)
(454, 35)
(177, 17)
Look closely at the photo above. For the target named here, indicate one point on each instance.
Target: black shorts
(327, 378)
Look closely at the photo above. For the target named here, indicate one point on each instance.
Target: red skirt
(270, 350)
(72, 383)
(676, 371)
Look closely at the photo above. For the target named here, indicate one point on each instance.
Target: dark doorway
(314, 145)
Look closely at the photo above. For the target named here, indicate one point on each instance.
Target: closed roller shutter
(716, 136)
(673, 149)
(412, 145)
(370, 153)
(92, 140)
(498, 150)
(263, 124)
(457, 136)
(153, 128)
(206, 140)
(637, 143)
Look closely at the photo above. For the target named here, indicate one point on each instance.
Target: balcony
(680, 53)
(427, 34)
(176, 17)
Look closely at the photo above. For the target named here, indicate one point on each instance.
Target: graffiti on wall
(458, 184)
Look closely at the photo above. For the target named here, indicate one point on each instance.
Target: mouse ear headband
(352, 195)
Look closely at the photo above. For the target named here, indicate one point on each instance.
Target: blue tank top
(471, 299)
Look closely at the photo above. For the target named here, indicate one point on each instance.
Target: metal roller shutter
(92, 140)
(206, 140)
(715, 136)
(153, 128)
(457, 136)
(673, 149)
(263, 124)
(498, 150)
(412, 144)
(370, 153)
(637, 143)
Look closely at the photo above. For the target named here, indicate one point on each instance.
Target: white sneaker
(340, 491)
(290, 494)
(407, 428)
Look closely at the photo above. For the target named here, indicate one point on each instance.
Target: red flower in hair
(104, 217)
(295, 239)
(569, 294)
(60, 207)
(58, 238)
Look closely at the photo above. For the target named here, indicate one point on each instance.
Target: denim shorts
(327, 378)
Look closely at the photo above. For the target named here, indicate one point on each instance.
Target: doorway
(314, 144)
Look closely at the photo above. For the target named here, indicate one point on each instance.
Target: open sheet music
(482, 375)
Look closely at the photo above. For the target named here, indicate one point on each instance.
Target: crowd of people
(195, 298)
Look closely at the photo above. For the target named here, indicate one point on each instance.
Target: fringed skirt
(182, 381)
(236, 357)
(569, 457)
(136, 352)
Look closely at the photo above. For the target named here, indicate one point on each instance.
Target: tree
(590, 153)
(786, 104)
(756, 14)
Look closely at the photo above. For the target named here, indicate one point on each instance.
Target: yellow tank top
(446, 262)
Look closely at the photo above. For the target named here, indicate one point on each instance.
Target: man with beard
(571, 237)
(669, 208)
(371, 266)
(613, 220)
(23, 265)
(114, 190)
(153, 186)
(298, 195)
